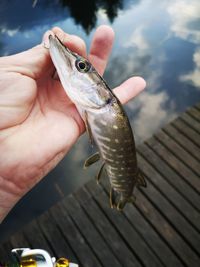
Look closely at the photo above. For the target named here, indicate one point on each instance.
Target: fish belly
(113, 135)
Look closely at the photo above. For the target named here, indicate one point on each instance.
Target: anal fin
(140, 180)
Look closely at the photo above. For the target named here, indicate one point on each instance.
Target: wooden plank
(195, 113)
(106, 229)
(73, 236)
(155, 217)
(160, 248)
(185, 230)
(161, 225)
(167, 207)
(190, 177)
(179, 223)
(3, 255)
(88, 230)
(182, 140)
(191, 121)
(163, 228)
(174, 218)
(179, 152)
(187, 130)
(129, 234)
(197, 106)
(5, 250)
(55, 238)
(18, 240)
(36, 238)
(171, 176)
(147, 232)
(184, 208)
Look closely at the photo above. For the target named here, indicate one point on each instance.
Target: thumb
(33, 62)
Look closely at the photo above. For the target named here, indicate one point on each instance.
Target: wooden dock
(163, 229)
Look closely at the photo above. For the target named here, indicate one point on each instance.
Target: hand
(38, 122)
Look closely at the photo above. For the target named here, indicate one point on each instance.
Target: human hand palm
(38, 122)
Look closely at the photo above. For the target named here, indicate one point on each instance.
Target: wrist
(8, 199)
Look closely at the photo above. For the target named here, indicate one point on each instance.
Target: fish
(105, 119)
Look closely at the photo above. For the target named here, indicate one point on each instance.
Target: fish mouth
(60, 54)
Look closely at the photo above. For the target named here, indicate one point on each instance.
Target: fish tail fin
(122, 202)
(132, 199)
(141, 180)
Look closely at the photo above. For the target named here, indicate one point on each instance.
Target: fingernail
(60, 36)
(45, 39)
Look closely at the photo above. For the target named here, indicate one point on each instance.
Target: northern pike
(105, 120)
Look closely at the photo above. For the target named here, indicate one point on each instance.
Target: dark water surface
(159, 40)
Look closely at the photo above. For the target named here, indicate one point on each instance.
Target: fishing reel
(26, 257)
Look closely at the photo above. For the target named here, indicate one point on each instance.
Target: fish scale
(122, 175)
(105, 120)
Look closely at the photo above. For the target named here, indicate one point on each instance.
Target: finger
(125, 92)
(101, 47)
(36, 61)
(73, 42)
(129, 89)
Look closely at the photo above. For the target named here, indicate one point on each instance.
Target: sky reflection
(159, 40)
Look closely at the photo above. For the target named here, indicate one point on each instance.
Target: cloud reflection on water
(193, 76)
(157, 40)
(186, 25)
(185, 19)
(151, 114)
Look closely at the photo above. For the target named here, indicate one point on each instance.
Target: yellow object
(28, 263)
(62, 262)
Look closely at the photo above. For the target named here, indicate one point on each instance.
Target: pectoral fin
(140, 180)
(92, 159)
(88, 129)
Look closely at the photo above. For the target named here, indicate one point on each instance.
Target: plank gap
(185, 196)
(153, 227)
(65, 239)
(176, 155)
(94, 223)
(86, 241)
(190, 151)
(190, 113)
(148, 177)
(115, 227)
(191, 246)
(46, 239)
(172, 167)
(186, 133)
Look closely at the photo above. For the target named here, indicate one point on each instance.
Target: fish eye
(82, 65)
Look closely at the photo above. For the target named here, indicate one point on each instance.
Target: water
(159, 40)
